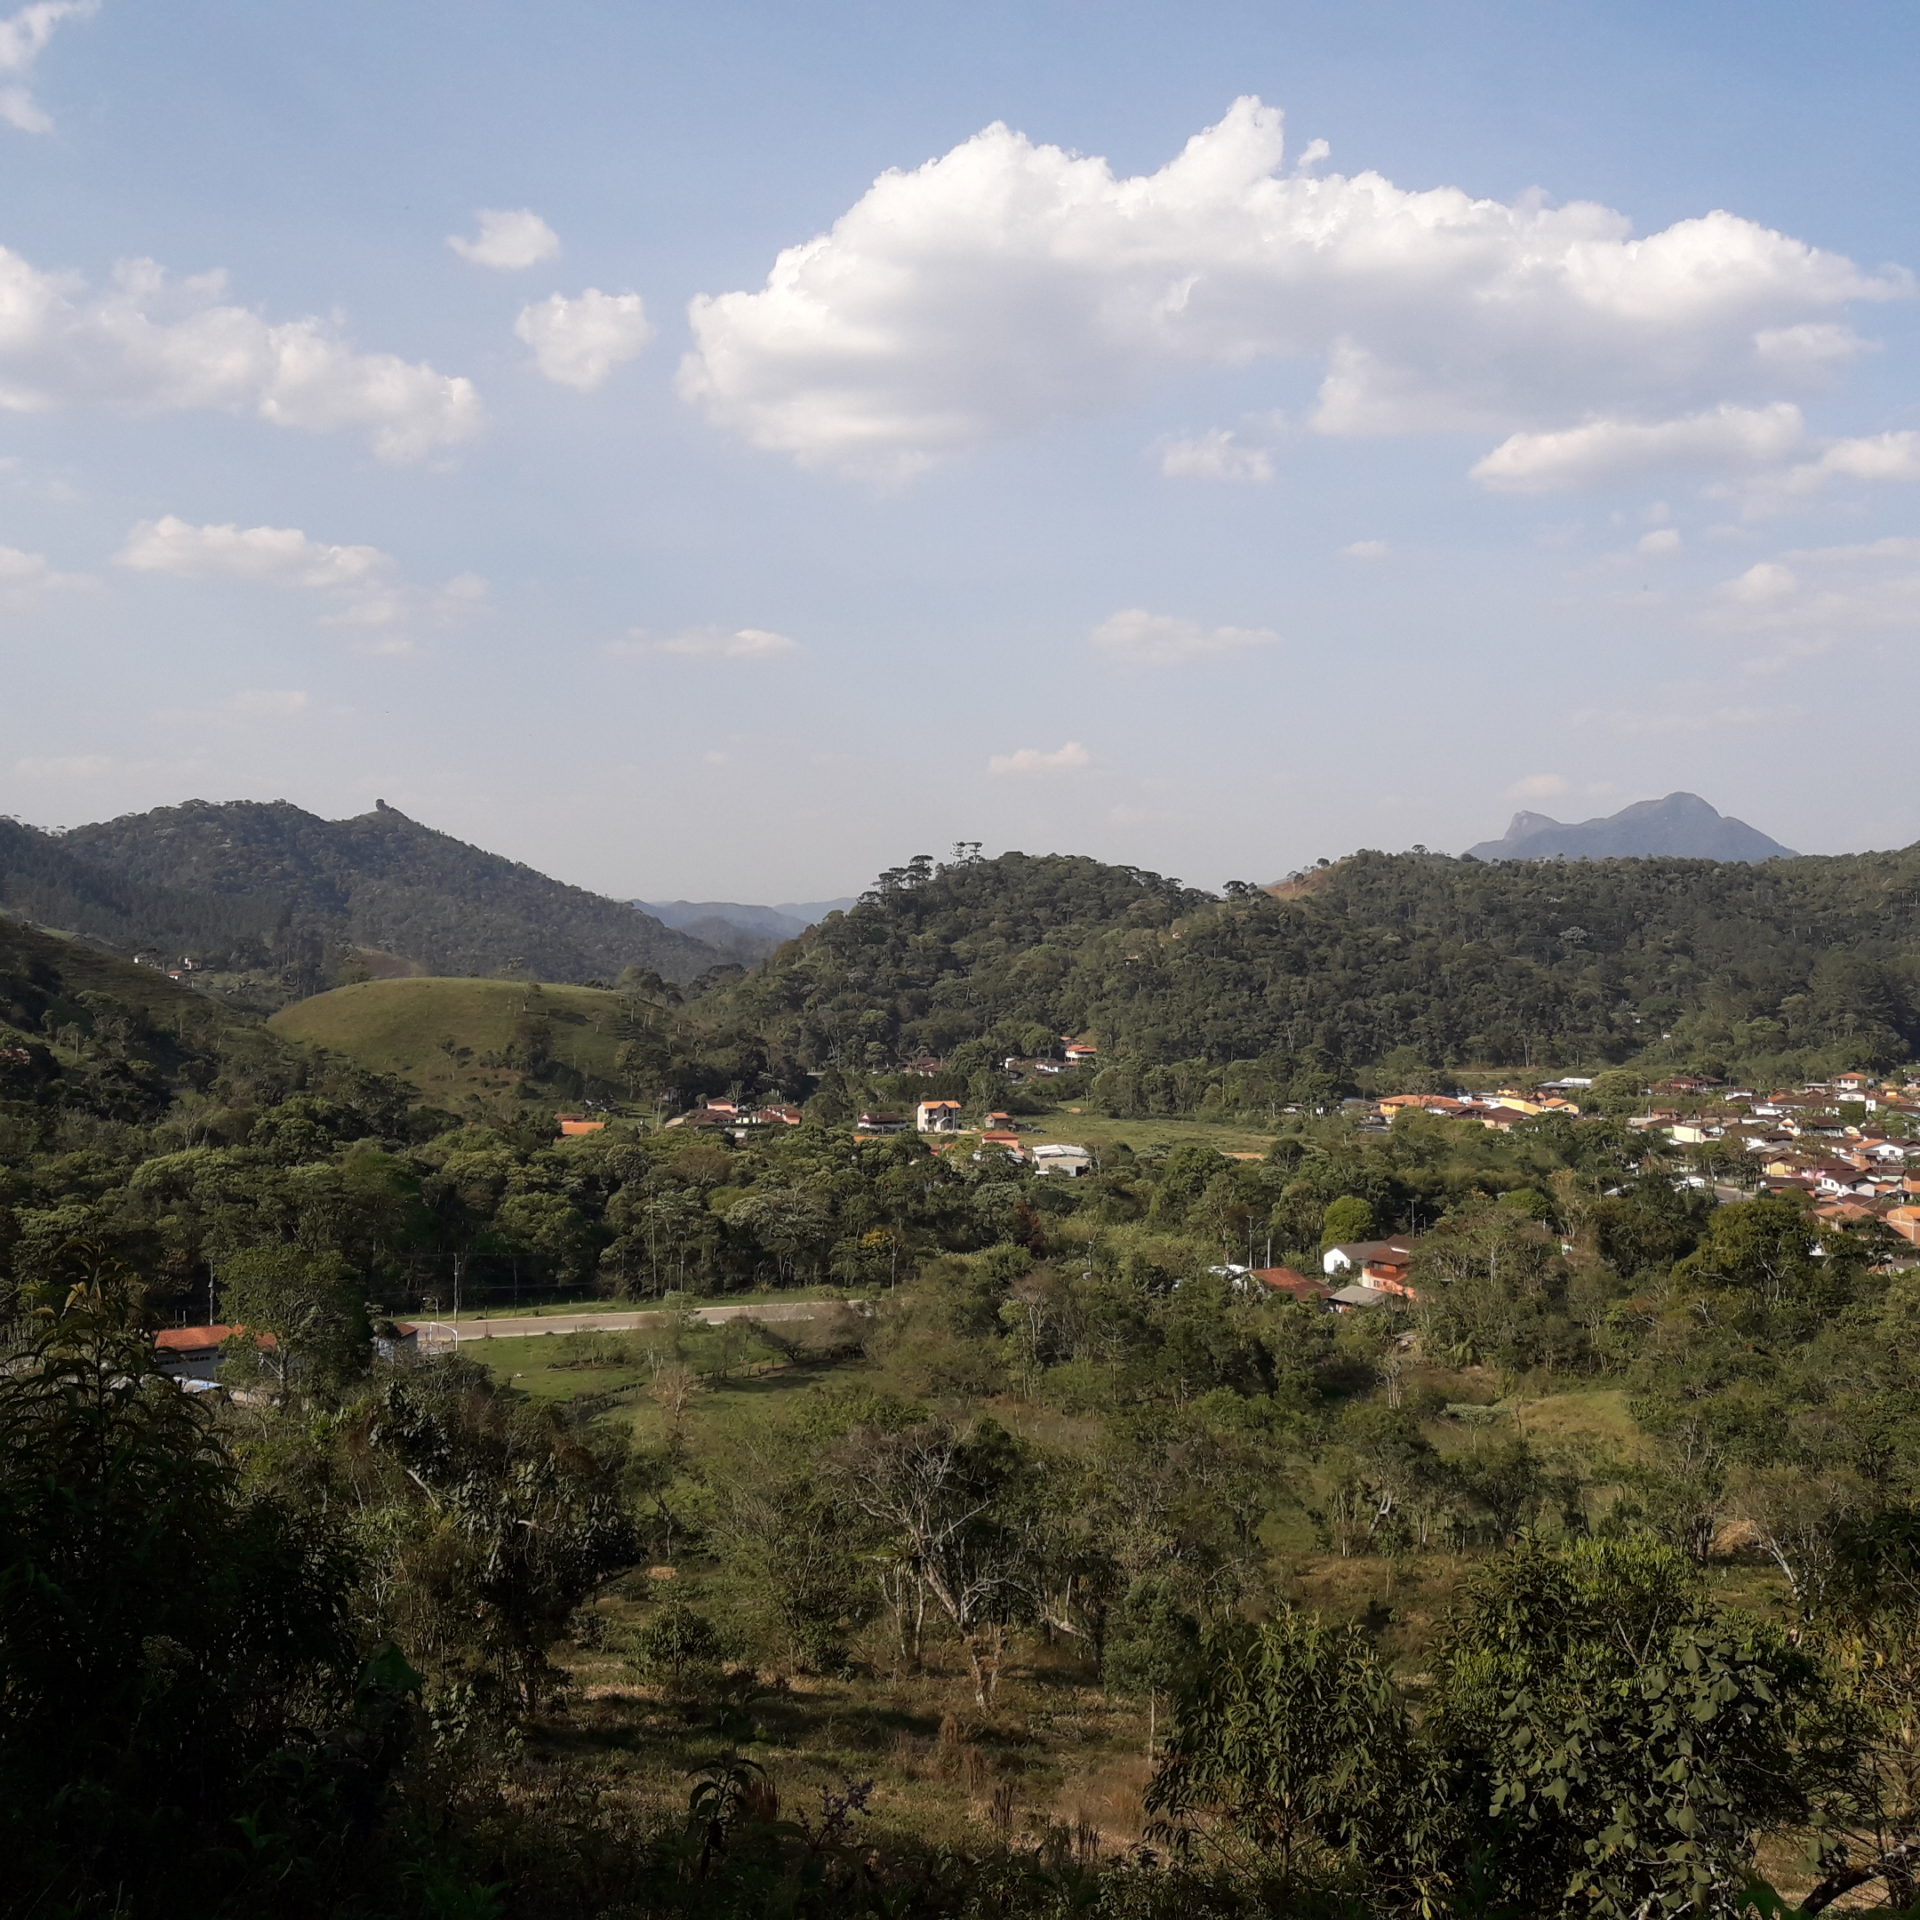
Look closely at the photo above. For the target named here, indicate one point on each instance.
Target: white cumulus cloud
(709, 643)
(506, 239)
(578, 340)
(23, 38)
(150, 343)
(1364, 550)
(1216, 455)
(1138, 638)
(1008, 283)
(1600, 452)
(1068, 758)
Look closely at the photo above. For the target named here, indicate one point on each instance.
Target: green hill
(252, 886)
(462, 1041)
(1420, 957)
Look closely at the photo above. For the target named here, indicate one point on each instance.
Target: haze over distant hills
(784, 922)
(1682, 826)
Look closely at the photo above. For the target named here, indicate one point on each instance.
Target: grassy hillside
(461, 1040)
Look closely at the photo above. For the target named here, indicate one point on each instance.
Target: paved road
(440, 1333)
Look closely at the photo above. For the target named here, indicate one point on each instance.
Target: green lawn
(537, 1365)
(737, 1373)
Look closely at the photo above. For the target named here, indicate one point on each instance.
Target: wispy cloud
(708, 643)
(1068, 758)
(362, 585)
(1137, 638)
(23, 38)
(1539, 786)
(1219, 454)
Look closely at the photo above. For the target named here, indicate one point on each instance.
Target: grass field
(1594, 1420)
(739, 1375)
(439, 1034)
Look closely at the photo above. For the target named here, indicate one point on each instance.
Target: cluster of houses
(1500, 1111)
(1850, 1144)
(729, 1116)
(996, 1133)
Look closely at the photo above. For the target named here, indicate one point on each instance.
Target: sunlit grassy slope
(447, 1036)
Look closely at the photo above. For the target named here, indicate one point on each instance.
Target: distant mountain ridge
(275, 885)
(785, 922)
(1682, 826)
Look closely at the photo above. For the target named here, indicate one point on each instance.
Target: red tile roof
(202, 1339)
(1286, 1280)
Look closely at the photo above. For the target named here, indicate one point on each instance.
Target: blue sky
(1550, 439)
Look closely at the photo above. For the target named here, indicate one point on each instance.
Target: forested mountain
(269, 884)
(44, 877)
(1682, 826)
(1445, 961)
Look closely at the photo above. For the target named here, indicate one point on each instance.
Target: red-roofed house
(193, 1353)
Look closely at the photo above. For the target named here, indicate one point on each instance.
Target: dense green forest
(1033, 1560)
(1428, 962)
(268, 887)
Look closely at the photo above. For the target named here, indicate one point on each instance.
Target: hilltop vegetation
(266, 886)
(1417, 960)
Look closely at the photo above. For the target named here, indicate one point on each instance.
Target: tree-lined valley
(1145, 1474)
